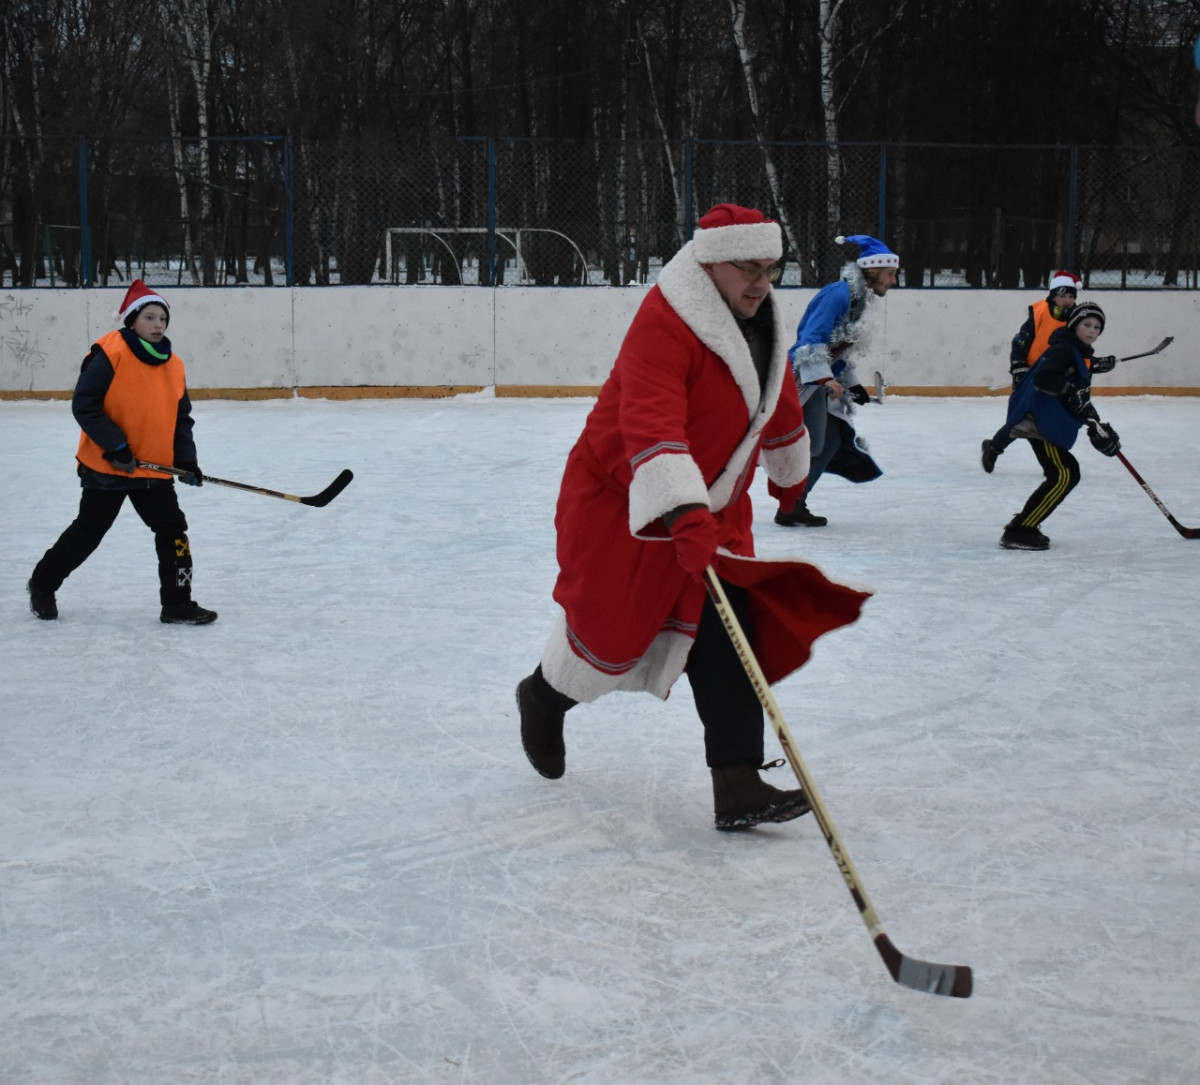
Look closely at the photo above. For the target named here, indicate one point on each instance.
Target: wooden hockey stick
(317, 500)
(935, 979)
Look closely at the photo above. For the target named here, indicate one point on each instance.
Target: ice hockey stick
(935, 979)
(1186, 532)
(317, 500)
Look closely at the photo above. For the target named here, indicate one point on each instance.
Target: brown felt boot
(541, 732)
(741, 798)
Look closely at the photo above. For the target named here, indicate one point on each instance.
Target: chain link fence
(271, 211)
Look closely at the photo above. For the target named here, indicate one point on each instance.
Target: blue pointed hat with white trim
(871, 251)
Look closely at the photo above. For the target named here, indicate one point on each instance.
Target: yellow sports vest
(144, 401)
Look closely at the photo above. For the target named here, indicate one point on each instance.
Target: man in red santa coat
(657, 489)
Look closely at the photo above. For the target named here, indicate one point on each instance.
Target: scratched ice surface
(303, 845)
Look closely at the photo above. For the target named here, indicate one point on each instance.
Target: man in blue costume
(829, 386)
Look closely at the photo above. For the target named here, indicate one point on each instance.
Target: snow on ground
(303, 844)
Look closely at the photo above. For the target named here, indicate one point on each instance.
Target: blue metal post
(883, 193)
(85, 235)
(491, 211)
(1072, 206)
(688, 228)
(289, 213)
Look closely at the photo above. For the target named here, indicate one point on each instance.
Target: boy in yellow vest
(131, 403)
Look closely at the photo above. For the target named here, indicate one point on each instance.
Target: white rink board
(435, 336)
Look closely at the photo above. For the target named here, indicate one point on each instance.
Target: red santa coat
(681, 420)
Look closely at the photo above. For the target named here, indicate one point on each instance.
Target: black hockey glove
(1018, 368)
(194, 477)
(122, 459)
(1105, 364)
(859, 394)
(1103, 437)
(1077, 400)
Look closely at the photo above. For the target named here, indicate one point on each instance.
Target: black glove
(194, 477)
(1104, 365)
(859, 394)
(1103, 437)
(122, 459)
(1077, 400)
(1018, 368)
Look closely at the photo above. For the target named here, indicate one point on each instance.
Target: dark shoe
(42, 603)
(1018, 537)
(990, 454)
(189, 613)
(541, 732)
(741, 798)
(799, 516)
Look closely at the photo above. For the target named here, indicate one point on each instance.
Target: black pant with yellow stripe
(1062, 476)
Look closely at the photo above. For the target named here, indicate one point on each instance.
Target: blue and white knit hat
(871, 252)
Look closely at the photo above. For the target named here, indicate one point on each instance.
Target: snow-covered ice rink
(303, 845)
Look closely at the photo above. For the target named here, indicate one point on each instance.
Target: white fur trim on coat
(662, 483)
(656, 671)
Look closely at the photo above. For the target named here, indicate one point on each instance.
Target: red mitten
(695, 536)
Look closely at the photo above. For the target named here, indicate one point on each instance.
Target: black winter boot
(799, 516)
(990, 453)
(41, 602)
(541, 732)
(741, 798)
(189, 613)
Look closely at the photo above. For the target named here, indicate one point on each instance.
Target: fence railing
(267, 210)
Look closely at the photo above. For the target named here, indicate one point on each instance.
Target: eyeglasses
(753, 272)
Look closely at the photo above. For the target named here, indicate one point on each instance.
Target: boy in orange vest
(131, 403)
(1030, 343)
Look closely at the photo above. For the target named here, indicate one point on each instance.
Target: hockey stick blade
(1186, 532)
(331, 491)
(1161, 346)
(880, 387)
(953, 980)
(317, 500)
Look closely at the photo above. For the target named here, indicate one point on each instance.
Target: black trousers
(1062, 476)
(725, 699)
(159, 509)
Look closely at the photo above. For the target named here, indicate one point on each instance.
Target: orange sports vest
(1043, 325)
(144, 401)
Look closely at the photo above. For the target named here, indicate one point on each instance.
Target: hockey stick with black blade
(879, 387)
(1161, 346)
(1130, 358)
(954, 980)
(317, 500)
(1186, 532)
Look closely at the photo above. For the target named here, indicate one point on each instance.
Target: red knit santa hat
(1065, 280)
(136, 296)
(729, 232)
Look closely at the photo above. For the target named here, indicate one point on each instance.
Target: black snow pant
(1062, 476)
(725, 699)
(159, 509)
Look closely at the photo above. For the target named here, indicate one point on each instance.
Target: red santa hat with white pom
(136, 296)
(1065, 280)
